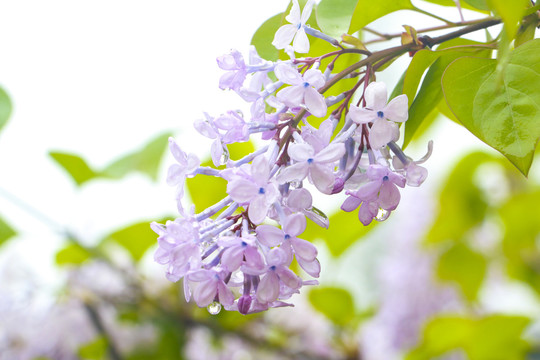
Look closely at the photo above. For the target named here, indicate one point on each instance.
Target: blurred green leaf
(345, 229)
(521, 231)
(204, 190)
(494, 337)
(507, 118)
(72, 254)
(464, 266)
(477, 5)
(335, 303)
(75, 166)
(6, 231)
(367, 11)
(145, 161)
(5, 108)
(462, 205)
(263, 37)
(526, 30)
(136, 238)
(334, 16)
(95, 350)
(430, 94)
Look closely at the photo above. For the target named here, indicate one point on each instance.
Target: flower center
(310, 161)
(385, 178)
(261, 191)
(306, 84)
(380, 114)
(298, 26)
(273, 267)
(244, 244)
(287, 236)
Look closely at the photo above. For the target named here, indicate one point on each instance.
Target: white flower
(303, 90)
(379, 112)
(294, 30)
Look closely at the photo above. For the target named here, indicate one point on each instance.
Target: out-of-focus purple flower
(303, 89)
(318, 166)
(378, 112)
(295, 30)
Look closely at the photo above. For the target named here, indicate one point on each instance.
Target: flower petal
(300, 199)
(313, 268)
(294, 225)
(268, 289)
(269, 235)
(258, 209)
(288, 74)
(376, 96)
(304, 249)
(292, 95)
(314, 102)
(397, 109)
(225, 294)
(294, 16)
(331, 153)
(381, 133)
(300, 152)
(288, 277)
(322, 177)
(242, 190)
(301, 41)
(296, 172)
(389, 196)
(205, 292)
(361, 115)
(284, 36)
(351, 203)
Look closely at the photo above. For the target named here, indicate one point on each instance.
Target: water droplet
(214, 308)
(295, 184)
(224, 158)
(382, 215)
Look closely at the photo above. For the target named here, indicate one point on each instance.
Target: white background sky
(100, 78)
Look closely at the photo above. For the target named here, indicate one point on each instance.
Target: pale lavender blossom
(211, 286)
(209, 129)
(241, 251)
(236, 129)
(236, 70)
(318, 166)
(277, 274)
(295, 30)
(303, 89)
(257, 191)
(414, 173)
(186, 167)
(378, 112)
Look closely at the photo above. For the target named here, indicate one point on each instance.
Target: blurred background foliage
(480, 241)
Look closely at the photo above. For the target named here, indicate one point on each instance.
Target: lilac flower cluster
(238, 252)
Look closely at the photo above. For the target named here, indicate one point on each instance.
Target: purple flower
(256, 191)
(209, 129)
(303, 90)
(295, 30)
(187, 165)
(277, 274)
(241, 251)
(378, 112)
(211, 286)
(319, 167)
(236, 70)
(235, 127)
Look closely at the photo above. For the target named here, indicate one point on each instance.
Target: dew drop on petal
(214, 308)
(224, 158)
(295, 184)
(382, 215)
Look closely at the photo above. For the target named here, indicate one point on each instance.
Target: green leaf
(345, 229)
(5, 108)
(335, 303)
(430, 93)
(464, 266)
(204, 190)
(95, 350)
(136, 238)
(145, 161)
(72, 254)
(511, 12)
(494, 337)
(467, 4)
(462, 204)
(526, 30)
(521, 231)
(6, 232)
(334, 16)
(75, 166)
(263, 37)
(367, 11)
(507, 118)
